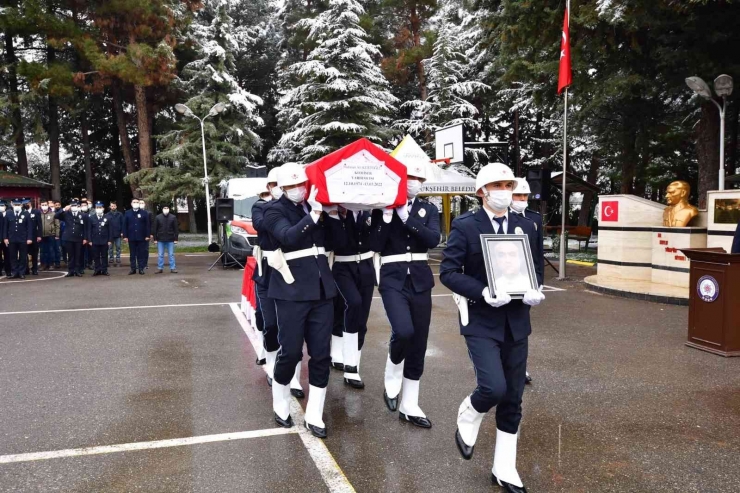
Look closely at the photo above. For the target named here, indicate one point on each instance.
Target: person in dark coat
(73, 237)
(33, 248)
(142, 206)
(115, 219)
(496, 328)
(5, 264)
(100, 236)
(17, 236)
(165, 234)
(136, 231)
(736, 241)
(86, 247)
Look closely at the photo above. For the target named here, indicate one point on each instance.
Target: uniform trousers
(138, 255)
(500, 369)
(355, 300)
(18, 257)
(409, 314)
(47, 253)
(338, 326)
(298, 321)
(74, 256)
(5, 263)
(33, 251)
(267, 319)
(100, 257)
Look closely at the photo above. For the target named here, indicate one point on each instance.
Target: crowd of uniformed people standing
(82, 237)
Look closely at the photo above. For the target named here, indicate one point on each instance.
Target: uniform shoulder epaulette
(530, 211)
(464, 216)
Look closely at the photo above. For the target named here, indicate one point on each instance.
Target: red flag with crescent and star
(565, 76)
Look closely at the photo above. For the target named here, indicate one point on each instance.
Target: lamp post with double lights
(215, 110)
(723, 86)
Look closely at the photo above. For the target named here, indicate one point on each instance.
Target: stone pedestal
(669, 265)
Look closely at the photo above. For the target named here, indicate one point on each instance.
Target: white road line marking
(127, 447)
(552, 288)
(60, 276)
(330, 471)
(108, 308)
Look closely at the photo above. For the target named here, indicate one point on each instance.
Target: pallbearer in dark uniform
(136, 231)
(403, 237)
(74, 236)
(495, 327)
(17, 237)
(302, 286)
(33, 248)
(100, 236)
(5, 264)
(519, 203)
(354, 273)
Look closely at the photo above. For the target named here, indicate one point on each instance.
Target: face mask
(17, 208)
(276, 192)
(296, 195)
(85, 208)
(519, 205)
(44, 208)
(2, 208)
(498, 200)
(135, 206)
(99, 211)
(412, 188)
(75, 208)
(165, 211)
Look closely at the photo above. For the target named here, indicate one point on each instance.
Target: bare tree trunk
(86, 155)
(118, 159)
(627, 158)
(142, 123)
(128, 156)
(707, 151)
(16, 117)
(584, 217)
(191, 215)
(517, 154)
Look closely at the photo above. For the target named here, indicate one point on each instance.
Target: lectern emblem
(708, 289)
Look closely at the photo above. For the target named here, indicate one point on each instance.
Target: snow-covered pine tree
(338, 94)
(230, 137)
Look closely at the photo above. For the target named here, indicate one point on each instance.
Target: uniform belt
(404, 257)
(314, 251)
(354, 258)
(259, 256)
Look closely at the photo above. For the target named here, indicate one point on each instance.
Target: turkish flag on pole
(565, 77)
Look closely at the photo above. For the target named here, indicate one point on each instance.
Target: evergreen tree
(339, 93)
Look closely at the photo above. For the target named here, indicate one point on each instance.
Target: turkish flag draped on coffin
(360, 176)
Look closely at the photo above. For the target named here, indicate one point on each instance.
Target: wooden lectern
(714, 301)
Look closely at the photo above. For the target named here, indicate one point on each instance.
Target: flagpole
(563, 237)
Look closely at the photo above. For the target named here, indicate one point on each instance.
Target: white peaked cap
(491, 173)
(291, 174)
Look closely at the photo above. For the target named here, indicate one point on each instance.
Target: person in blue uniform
(736, 240)
(354, 273)
(136, 230)
(495, 327)
(519, 203)
(18, 235)
(5, 264)
(403, 237)
(100, 236)
(302, 287)
(73, 237)
(33, 248)
(87, 258)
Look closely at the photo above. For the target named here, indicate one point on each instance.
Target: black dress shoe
(297, 393)
(105, 274)
(70, 275)
(158, 271)
(79, 274)
(415, 420)
(355, 384)
(508, 488)
(131, 272)
(269, 380)
(261, 362)
(21, 276)
(391, 404)
(315, 430)
(350, 369)
(141, 271)
(337, 366)
(35, 273)
(285, 423)
(527, 379)
(95, 274)
(9, 277)
(465, 450)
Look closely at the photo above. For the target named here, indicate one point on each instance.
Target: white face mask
(276, 192)
(498, 200)
(412, 188)
(135, 205)
(519, 205)
(296, 195)
(75, 208)
(44, 208)
(99, 212)
(2, 208)
(17, 208)
(85, 208)
(165, 211)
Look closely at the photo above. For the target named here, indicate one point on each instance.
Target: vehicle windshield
(243, 207)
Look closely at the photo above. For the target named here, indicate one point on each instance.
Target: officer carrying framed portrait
(509, 264)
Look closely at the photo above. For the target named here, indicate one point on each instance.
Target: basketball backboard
(449, 143)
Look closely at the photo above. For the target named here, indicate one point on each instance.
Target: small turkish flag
(565, 77)
(610, 211)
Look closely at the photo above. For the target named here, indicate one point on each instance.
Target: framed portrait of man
(509, 264)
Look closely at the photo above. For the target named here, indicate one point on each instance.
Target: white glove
(332, 211)
(315, 205)
(533, 297)
(387, 216)
(500, 300)
(403, 212)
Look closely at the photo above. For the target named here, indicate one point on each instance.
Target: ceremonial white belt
(462, 306)
(314, 251)
(259, 255)
(354, 258)
(404, 257)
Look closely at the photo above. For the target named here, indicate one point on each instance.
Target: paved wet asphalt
(619, 404)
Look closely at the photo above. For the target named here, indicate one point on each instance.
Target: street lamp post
(723, 86)
(215, 110)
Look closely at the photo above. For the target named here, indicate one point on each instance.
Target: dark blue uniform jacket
(74, 227)
(20, 229)
(136, 225)
(99, 231)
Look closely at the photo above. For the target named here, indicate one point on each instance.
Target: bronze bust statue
(679, 212)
